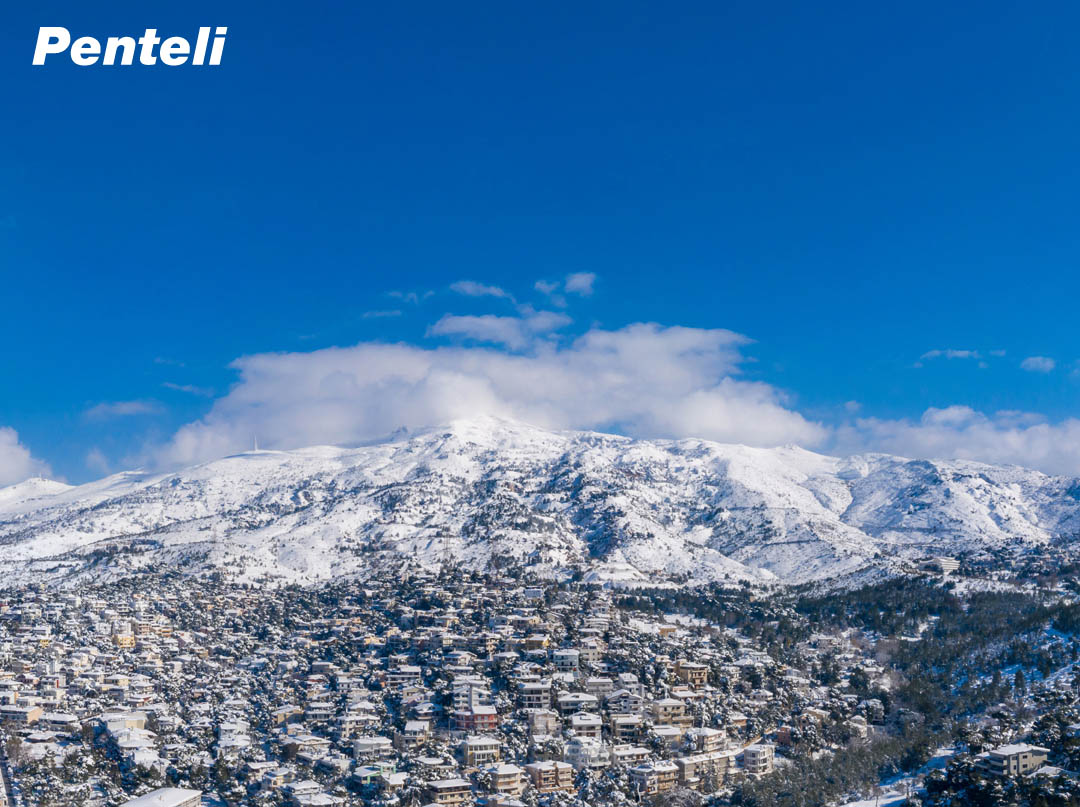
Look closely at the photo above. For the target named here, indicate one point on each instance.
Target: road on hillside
(7, 797)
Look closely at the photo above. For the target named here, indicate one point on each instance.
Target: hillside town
(447, 689)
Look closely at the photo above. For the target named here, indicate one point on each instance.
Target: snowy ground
(896, 790)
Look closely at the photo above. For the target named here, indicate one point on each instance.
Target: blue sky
(882, 201)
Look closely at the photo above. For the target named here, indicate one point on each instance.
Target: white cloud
(960, 432)
(1038, 364)
(643, 380)
(190, 389)
(580, 283)
(114, 409)
(97, 461)
(383, 314)
(470, 288)
(411, 297)
(950, 353)
(545, 321)
(16, 461)
(515, 333)
(507, 331)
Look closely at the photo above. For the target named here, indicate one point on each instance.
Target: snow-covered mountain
(490, 493)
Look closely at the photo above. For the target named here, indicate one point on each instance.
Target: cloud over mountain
(959, 432)
(16, 461)
(644, 380)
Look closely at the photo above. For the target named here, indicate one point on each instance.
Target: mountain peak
(36, 487)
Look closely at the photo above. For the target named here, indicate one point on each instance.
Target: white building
(167, 797)
(758, 758)
(586, 752)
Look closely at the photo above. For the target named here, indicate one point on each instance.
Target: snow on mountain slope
(29, 493)
(490, 493)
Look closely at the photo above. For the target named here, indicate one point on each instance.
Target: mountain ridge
(491, 493)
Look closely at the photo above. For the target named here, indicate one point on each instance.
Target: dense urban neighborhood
(454, 688)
